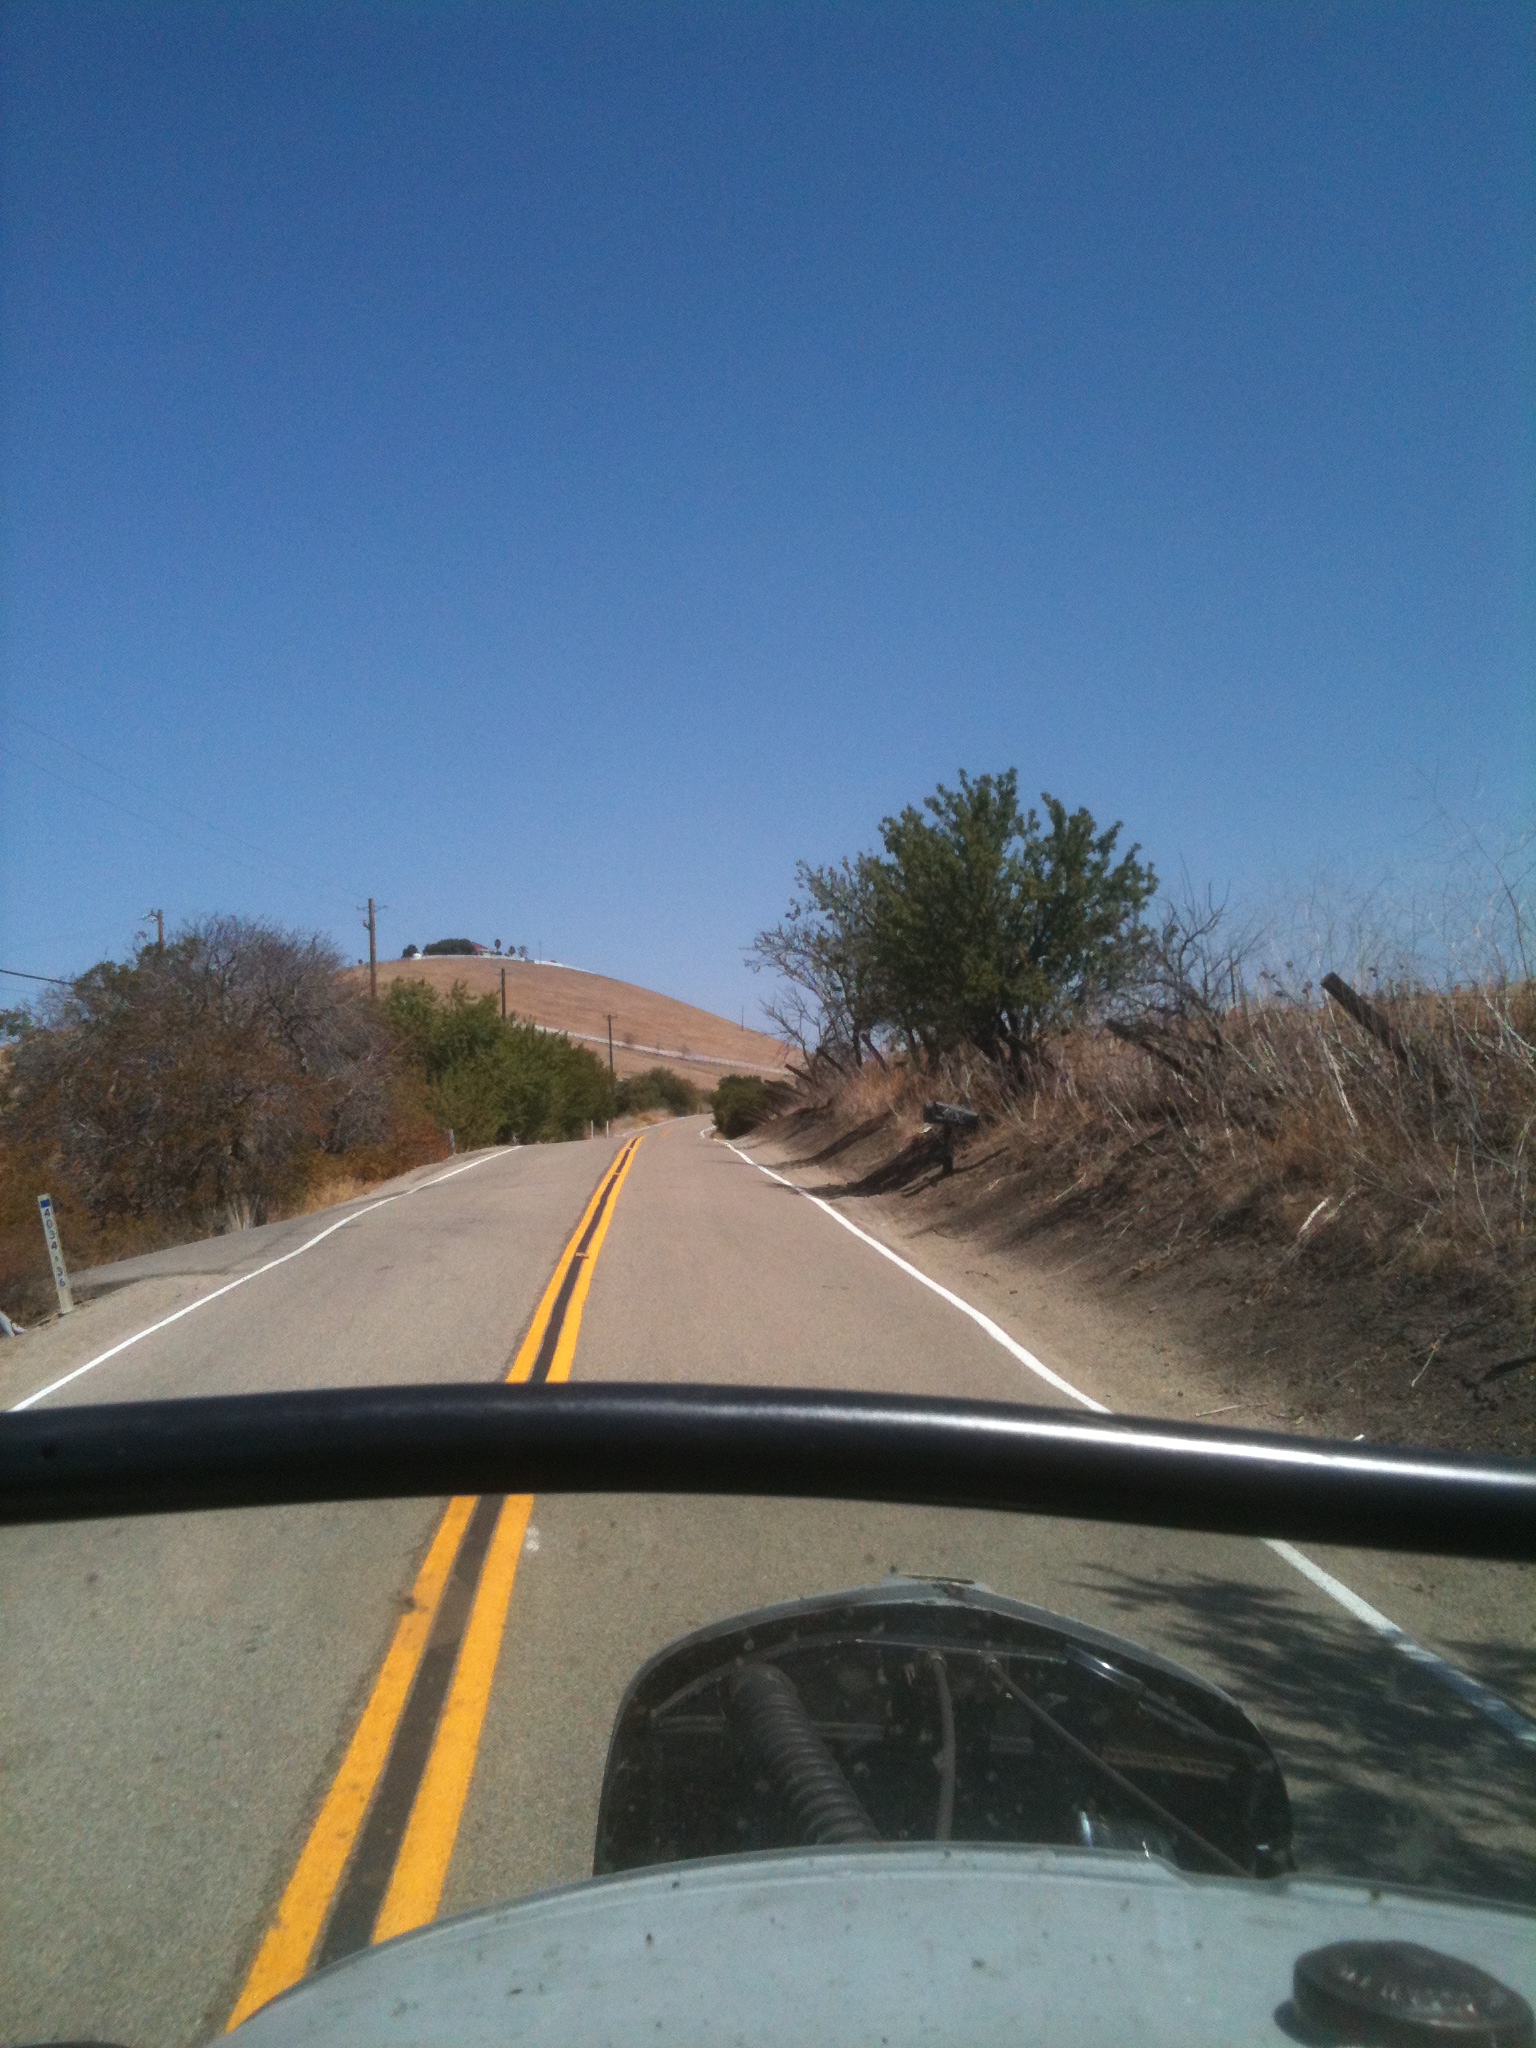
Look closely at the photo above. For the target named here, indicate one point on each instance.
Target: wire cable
(1219, 1857)
(220, 837)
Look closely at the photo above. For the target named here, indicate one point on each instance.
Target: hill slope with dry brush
(1338, 1183)
(1334, 1195)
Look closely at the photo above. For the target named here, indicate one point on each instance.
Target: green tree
(823, 951)
(656, 1088)
(989, 930)
(488, 1080)
(976, 925)
(743, 1101)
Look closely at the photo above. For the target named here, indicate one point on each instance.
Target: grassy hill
(649, 1030)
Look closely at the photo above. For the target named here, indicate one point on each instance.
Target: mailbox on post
(949, 1118)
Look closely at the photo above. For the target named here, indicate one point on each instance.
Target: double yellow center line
(377, 1857)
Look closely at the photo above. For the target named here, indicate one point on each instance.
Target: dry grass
(1294, 1122)
(1280, 1146)
(1286, 1119)
(330, 1193)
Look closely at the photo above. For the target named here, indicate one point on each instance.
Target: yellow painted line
(565, 1349)
(295, 1932)
(528, 1350)
(421, 1868)
(290, 1942)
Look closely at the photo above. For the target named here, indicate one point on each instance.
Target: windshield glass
(767, 1022)
(246, 1745)
(215, 1764)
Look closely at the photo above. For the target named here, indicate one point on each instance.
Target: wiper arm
(945, 1760)
(1219, 1857)
(1158, 1707)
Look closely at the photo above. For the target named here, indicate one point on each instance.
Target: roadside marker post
(56, 1254)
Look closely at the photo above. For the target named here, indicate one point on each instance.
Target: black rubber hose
(772, 1725)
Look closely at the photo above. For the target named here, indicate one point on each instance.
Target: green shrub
(490, 1081)
(656, 1088)
(742, 1101)
(978, 926)
(454, 946)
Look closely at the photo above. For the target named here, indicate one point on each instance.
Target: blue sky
(551, 467)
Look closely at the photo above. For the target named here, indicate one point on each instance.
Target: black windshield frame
(268, 1450)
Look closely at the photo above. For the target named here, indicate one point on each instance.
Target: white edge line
(229, 1287)
(454, 1172)
(1499, 1711)
(993, 1330)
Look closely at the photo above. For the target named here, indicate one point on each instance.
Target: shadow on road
(1391, 1776)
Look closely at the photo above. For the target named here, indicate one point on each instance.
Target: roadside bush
(742, 1101)
(489, 1080)
(200, 1075)
(212, 1081)
(657, 1088)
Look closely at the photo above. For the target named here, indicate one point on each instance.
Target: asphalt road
(186, 1702)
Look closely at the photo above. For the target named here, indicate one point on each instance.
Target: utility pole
(373, 952)
(610, 1048)
(159, 917)
(503, 995)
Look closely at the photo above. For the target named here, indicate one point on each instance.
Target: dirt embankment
(649, 1030)
(1237, 1315)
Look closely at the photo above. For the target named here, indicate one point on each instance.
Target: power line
(101, 767)
(217, 833)
(158, 824)
(20, 975)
